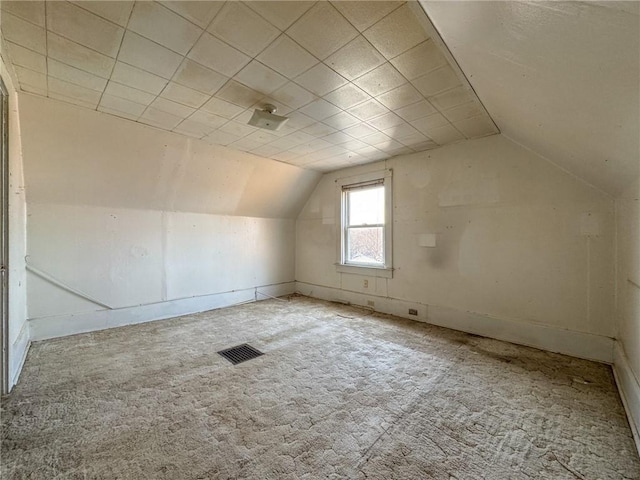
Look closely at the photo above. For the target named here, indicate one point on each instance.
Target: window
(365, 213)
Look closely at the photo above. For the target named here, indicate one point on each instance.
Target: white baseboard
(62, 325)
(629, 388)
(553, 339)
(18, 354)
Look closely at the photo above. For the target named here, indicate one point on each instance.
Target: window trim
(386, 271)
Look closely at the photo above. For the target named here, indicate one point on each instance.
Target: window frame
(384, 177)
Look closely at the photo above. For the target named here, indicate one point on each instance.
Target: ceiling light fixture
(266, 119)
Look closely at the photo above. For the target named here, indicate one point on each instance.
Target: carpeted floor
(340, 393)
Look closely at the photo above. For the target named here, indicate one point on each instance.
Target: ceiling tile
(320, 109)
(354, 145)
(237, 129)
(293, 95)
(160, 119)
(246, 144)
(116, 113)
(32, 12)
(287, 57)
(83, 27)
(266, 151)
(184, 95)
(426, 124)
(157, 23)
(416, 110)
(436, 81)
(29, 77)
(390, 146)
(23, 33)
(319, 130)
(320, 80)
(222, 108)
(173, 108)
(419, 60)
(74, 100)
(403, 130)
(198, 77)
(262, 136)
(396, 33)
(73, 91)
(380, 80)
(385, 121)
(281, 14)
(341, 120)
(414, 140)
(77, 77)
(322, 30)
(24, 57)
(243, 28)
(400, 97)
(444, 134)
(136, 78)
(193, 129)
(347, 96)
(78, 56)
(368, 109)
(360, 130)
(452, 98)
(217, 55)
(260, 77)
(209, 119)
(355, 59)
(132, 109)
(198, 12)
(298, 120)
(128, 93)
(475, 127)
(115, 11)
(149, 56)
(462, 112)
(364, 14)
(338, 138)
(376, 138)
(220, 138)
(239, 94)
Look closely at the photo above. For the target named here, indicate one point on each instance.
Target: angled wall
(524, 251)
(127, 223)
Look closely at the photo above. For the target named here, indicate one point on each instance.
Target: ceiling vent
(266, 119)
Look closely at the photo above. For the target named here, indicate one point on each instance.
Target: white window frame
(385, 177)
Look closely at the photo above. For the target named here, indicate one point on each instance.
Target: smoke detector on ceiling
(266, 119)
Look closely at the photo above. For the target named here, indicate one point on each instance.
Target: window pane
(365, 245)
(366, 207)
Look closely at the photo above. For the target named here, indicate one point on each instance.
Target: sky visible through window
(365, 226)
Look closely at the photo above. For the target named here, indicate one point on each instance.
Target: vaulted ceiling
(561, 78)
(360, 81)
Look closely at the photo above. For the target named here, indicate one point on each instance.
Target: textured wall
(130, 215)
(517, 238)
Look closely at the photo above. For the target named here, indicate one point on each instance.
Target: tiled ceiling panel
(360, 81)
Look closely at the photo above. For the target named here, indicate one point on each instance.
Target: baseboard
(629, 389)
(18, 354)
(63, 325)
(544, 337)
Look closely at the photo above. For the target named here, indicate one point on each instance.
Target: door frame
(4, 235)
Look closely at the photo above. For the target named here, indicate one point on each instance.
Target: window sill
(366, 271)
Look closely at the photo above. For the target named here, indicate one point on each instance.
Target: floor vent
(240, 353)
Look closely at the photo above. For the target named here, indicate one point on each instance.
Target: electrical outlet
(371, 303)
(365, 283)
(413, 311)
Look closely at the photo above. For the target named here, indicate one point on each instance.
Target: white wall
(524, 250)
(18, 327)
(627, 358)
(145, 223)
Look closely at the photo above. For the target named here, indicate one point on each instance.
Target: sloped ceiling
(360, 81)
(562, 78)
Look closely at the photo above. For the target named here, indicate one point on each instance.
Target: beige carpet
(340, 393)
